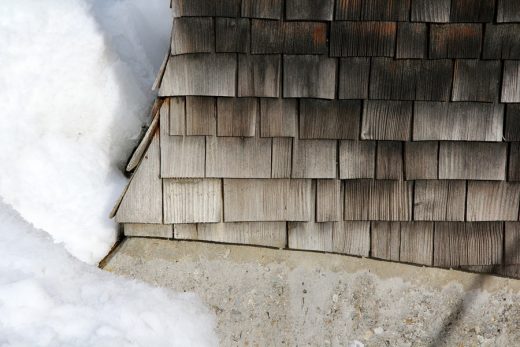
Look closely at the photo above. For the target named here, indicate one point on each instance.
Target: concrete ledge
(267, 296)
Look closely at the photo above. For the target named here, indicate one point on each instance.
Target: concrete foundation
(269, 297)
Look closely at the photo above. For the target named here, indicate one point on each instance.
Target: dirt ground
(268, 297)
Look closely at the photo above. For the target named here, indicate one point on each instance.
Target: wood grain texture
(269, 234)
(139, 152)
(250, 200)
(372, 10)
(458, 244)
(385, 240)
(309, 76)
(192, 35)
(431, 11)
(351, 238)
(455, 41)
(201, 115)
(387, 120)
(210, 8)
(267, 36)
(324, 119)
(259, 75)
(200, 74)
(369, 39)
(421, 160)
(476, 80)
(237, 157)
(309, 9)
(508, 11)
(512, 243)
(232, 35)
(493, 201)
(472, 160)
(185, 231)
(314, 158)
(237, 116)
(310, 236)
(472, 10)
(269, 9)
(329, 203)
(412, 41)
(354, 76)
(182, 156)
(177, 120)
(501, 41)
(357, 159)
(148, 230)
(389, 160)
(142, 202)
(439, 200)
(305, 38)
(416, 243)
(512, 130)
(192, 201)
(511, 81)
(460, 121)
(282, 157)
(378, 200)
(278, 117)
(514, 162)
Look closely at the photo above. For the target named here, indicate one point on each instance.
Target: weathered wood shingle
(305, 38)
(385, 240)
(270, 234)
(148, 230)
(310, 236)
(269, 9)
(502, 41)
(389, 160)
(232, 35)
(493, 201)
(259, 75)
(309, 76)
(512, 243)
(476, 80)
(237, 116)
(514, 162)
(267, 36)
(357, 159)
(324, 119)
(412, 41)
(351, 238)
(351, 39)
(472, 10)
(437, 11)
(455, 41)
(387, 120)
(282, 157)
(421, 160)
(314, 158)
(309, 9)
(177, 116)
(210, 8)
(416, 243)
(354, 78)
(511, 81)
(329, 203)
(508, 11)
(278, 117)
(372, 10)
(201, 115)
(512, 130)
(192, 35)
(439, 200)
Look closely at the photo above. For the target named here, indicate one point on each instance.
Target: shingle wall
(382, 128)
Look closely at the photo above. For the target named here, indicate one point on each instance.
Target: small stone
(378, 331)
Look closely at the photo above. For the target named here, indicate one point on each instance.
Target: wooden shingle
(387, 120)
(142, 201)
(389, 160)
(502, 41)
(351, 39)
(493, 201)
(309, 76)
(267, 36)
(309, 9)
(512, 243)
(416, 243)
(232, 35)
(508, 11)
(269, 9)
(351, 238)
(472, 160)
(310, 236)
(372, 10)
(268, 200)
(459, 121)
(412, 41)
(182, 156)
(378, 200)
(148, 230)
(269, 234)
(185, 231)
(192, 35)
(439, 200)
(203, 8)
(431, 11)
(457, 244)
(434, 80)
(357, 159)
(514, 162)
(472, 10)
(237, 157)
(385, 240)
(200, 74)
(305, 38)
(476, 80)
(201, 115)
(192, 201)
(329, 205)
(421, 160)
(325, 119)
(177, 114)
(237, 116)
(259, 75)
(512, 130)
(282, 157)
(278, 117)
(353, 78)
(314, 158)
(511, 81)
(455, 41)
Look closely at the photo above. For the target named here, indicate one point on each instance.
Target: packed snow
(75, 80)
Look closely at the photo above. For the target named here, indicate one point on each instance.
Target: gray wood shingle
(309, 76)
(476, 80)
(210, 8)
(387, 120)
(511, 81)
(439, 200)
(351, 39)
(492, 201)
(177, 114)
(278, 117)
(182, 156)
(259, 75)
(512, 243)
(357, 159)
(421, 160)
(232, 35)
(329, 203)
(310, 236)
(508, 11)
(389, 160)
(385, 240)
(416, 243)
(269, 9)
(354, 76)
(314, 159)
(512, 130)
(201, 115)
(372, 10)
(148, 230)
(351, 238)
(237, 116)
(192, 35)
(282, 157)
(269, 234)
(514, 162)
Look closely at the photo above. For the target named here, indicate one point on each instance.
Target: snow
(75, 81)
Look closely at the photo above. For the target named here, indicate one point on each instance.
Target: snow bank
(49, 298)
(75, 85)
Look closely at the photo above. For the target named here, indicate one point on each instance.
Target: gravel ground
(266, 297)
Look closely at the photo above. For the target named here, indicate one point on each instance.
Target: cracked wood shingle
(514, 162)
(372, 10)
(357, 159)
(309, 76)
(351, 39)
(439, 200)
(421, 160)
